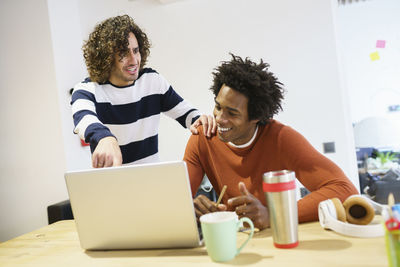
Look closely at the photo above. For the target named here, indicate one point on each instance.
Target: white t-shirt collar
(248, 143)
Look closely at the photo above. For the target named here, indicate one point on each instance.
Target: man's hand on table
(247, 205)
(202, 205)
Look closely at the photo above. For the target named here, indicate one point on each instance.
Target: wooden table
(58, 245)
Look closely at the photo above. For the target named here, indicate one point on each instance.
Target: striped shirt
(130, 113)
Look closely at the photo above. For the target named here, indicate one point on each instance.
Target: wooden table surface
(58, 245)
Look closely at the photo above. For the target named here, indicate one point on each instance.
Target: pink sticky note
(380, 43)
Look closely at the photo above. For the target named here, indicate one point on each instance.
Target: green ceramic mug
(219, 233)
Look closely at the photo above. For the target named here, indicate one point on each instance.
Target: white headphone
(357, 210)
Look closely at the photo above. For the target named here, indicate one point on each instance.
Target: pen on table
(221, 195)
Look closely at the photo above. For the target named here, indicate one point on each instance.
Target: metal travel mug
(280, 192)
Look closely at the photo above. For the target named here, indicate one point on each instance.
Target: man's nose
(220, 117)
(131, 57)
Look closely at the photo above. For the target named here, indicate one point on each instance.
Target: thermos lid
(282, 176)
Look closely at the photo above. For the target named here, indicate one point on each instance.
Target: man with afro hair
(249, 143)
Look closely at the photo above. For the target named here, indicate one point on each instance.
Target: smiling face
(232, 118)
(126, 69)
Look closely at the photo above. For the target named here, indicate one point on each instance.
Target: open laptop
(133, 207)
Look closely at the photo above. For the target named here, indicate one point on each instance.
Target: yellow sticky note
(374, 56)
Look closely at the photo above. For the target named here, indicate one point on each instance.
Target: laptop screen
(137, 206)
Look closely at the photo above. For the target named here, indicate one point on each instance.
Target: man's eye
(122, 55)
(217, 107)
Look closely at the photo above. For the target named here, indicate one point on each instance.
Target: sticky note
(374, 56)
(380, 44)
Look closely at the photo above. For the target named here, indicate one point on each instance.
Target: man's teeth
(223, 129)
(132, 69)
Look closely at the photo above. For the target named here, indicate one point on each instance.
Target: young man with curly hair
(117, 110)
(250, 142)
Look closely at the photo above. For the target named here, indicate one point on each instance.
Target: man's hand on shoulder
(203, 205)
(247, 205)
(107, 153)
(209, 125)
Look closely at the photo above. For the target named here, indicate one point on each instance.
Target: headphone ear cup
(340, 211)
(358, 210)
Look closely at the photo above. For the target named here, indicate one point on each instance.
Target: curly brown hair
(262, 89)
(108, 38)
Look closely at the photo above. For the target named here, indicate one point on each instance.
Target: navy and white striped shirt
(130, 113)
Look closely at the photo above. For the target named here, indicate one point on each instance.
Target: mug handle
(240, 222)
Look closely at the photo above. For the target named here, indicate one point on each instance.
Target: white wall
(372, 85)
(32, 159)
(70, 69)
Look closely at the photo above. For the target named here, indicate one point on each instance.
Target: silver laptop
(133, 207)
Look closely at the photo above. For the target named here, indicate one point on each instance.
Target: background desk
(58, 245)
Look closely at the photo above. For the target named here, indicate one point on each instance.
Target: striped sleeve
(175, 107)
(87, 125)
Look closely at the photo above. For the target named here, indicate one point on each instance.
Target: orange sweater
(276, 147)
